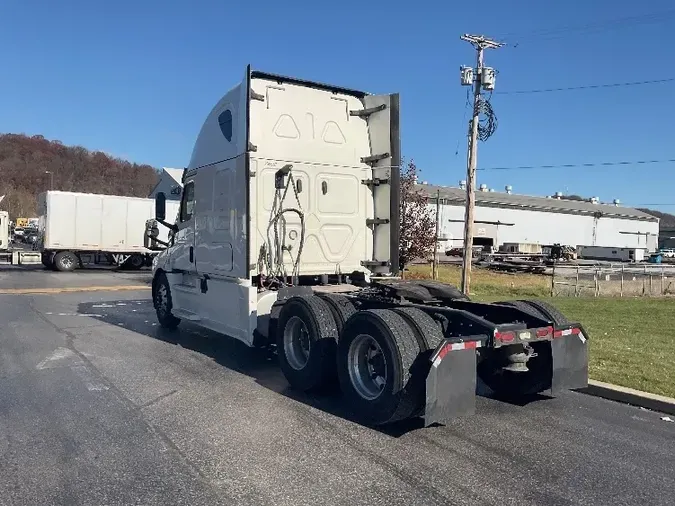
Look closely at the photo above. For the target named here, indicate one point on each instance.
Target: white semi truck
(74, 227)
(4, 231)
(287, 236)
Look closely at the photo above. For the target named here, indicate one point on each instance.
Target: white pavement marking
(58, 354)
(88, 378)
(76, 364)
(96, 315)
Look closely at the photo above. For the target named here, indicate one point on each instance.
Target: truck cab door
(183, 250)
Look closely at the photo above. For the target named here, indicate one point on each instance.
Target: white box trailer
(73, 226)
(292, 194)
(4, 230)
(610, 253)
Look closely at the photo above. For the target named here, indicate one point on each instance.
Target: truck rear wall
(90, 222)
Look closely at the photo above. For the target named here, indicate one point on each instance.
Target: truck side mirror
(160, 206)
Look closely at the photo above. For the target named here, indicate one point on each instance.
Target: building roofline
(454, 195)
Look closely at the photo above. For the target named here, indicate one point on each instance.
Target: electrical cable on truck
(275, 247)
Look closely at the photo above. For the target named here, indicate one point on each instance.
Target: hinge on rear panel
(364, 113)
(252, 147)
(374, 263)
(376, 221)
(373, 159)
(376, 181)
(257, 96)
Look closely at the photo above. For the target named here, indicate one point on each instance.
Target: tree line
(29, 165)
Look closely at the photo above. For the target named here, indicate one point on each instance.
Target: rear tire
(427, 331)
(134, 262)
(375, 356)
(548, 310)
(525, 307)
(66, 261)
(341, 308)
(161, 299)
(306, 335)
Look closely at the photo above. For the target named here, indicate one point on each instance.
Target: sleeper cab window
(225, 122)
(188, 204)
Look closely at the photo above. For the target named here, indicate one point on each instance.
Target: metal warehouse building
(508, 218)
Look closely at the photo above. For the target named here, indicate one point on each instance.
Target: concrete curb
(630, 396)
(70, 289)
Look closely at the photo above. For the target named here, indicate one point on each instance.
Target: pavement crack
(157, 399)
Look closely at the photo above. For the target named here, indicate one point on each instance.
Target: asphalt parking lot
(99, 406)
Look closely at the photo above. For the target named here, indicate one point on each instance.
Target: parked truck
(287, 237)
(4, 231)
(610, 253)
(74, 227)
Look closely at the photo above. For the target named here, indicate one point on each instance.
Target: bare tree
(418, 226)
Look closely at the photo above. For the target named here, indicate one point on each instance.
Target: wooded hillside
(665, 220)
(26, 164)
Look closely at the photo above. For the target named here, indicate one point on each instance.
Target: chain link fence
(613, 280)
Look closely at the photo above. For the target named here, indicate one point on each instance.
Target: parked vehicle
(667, 252)
(31, 237)
(4, 231)
(73, 226)
(18, 234)
(292, 194)
(611, 253)
(459, 252)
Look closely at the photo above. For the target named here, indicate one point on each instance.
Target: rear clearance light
(524, 335)
(545, 333)
(505, 337)
(567, 332)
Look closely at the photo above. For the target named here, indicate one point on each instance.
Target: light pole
(51, 177)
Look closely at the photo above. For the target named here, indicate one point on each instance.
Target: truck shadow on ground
(261, 364)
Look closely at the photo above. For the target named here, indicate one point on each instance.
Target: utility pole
(434, 265)
(482, 78)
(51, 177)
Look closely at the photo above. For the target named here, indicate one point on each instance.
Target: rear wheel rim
(367, 367)
(297, 344)
(66, 262)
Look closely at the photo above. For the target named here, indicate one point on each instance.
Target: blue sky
(136, 79)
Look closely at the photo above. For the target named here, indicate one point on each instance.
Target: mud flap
(570, 362)
(451, 383)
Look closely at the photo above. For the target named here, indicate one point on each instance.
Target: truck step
(183, 314)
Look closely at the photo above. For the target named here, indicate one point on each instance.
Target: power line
(590, 28)
(581, 165)
(586, 87)
(652, 204)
